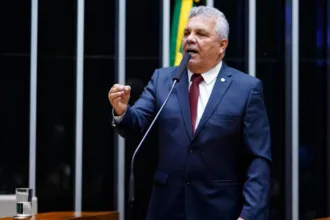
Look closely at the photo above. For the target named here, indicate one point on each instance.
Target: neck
(202, 68)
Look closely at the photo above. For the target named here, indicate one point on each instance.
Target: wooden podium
(73, 216)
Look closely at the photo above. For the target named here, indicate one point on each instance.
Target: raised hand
(119, 96)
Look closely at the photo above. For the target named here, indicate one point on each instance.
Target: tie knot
(197, 78)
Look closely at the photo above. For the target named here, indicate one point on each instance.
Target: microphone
(181, 67)
(176, 79)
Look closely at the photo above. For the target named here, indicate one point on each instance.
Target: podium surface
(73, 216)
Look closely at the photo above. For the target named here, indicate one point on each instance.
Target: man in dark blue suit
(213, 134)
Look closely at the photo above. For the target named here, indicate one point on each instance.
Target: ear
(223, 45)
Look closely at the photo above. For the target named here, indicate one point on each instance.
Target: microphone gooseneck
(176, 79)
(181, 67)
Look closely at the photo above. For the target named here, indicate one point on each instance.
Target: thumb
(127, 89)
(126, 94)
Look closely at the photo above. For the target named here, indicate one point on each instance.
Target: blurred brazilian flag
(180, 20)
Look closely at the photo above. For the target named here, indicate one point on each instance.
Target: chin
(194, 66)
(194, 61)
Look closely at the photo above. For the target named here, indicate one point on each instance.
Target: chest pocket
(224, 123)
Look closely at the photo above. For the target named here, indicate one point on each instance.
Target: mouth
(192, 51)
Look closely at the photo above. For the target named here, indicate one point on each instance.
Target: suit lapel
(183, 98)
(221, 85)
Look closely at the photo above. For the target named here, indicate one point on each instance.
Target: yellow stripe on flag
(184, 12)
(178, 59)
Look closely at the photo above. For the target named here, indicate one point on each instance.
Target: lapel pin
(222, 79)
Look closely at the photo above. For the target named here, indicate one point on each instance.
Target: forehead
(201, 22)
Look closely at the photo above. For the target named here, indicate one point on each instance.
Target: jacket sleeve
(256, 133)
(138, 117)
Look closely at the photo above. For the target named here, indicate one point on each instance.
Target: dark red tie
(193, 97)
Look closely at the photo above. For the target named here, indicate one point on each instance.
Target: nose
(191, 38)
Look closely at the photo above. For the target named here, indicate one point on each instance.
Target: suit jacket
(223, 170)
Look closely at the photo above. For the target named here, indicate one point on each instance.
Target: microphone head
(182, 66)
(185, 59)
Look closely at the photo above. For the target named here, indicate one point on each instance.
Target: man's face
(202, 41)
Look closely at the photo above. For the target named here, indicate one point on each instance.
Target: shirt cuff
(117, 118)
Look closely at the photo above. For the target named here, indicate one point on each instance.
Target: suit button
(190, 150)
(188, 182)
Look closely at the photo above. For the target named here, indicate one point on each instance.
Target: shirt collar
(210, 75)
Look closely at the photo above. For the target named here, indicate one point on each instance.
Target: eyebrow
(197, 30)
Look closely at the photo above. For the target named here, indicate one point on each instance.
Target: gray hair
(221, 26)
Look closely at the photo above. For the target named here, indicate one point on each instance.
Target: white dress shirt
(205, 90)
